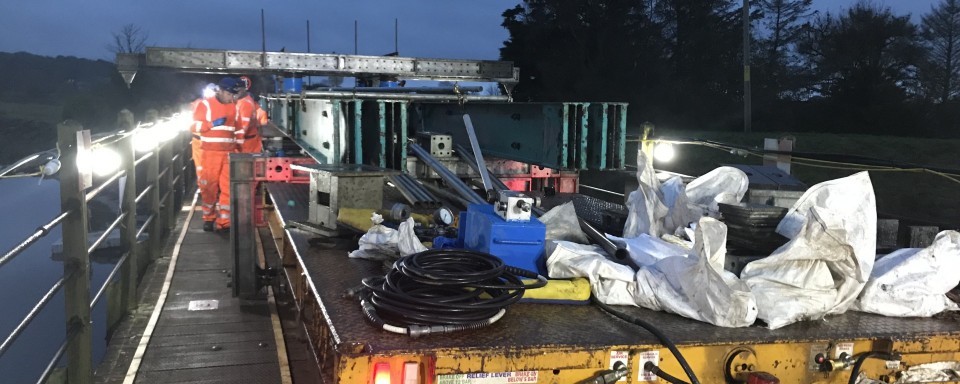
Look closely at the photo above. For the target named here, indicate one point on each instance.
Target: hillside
(37, 92)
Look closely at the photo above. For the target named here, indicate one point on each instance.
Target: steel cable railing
(56, 357)
(40, 233)
(96, 298)
(106, 183)
(172, 171)
(31, 315)
(106, 232)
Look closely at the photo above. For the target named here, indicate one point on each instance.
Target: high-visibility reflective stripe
(218, 139)
(239, 141)
(196, 128)
(225, 208)
(207, 104)
(223, 128)
(245, 119)
(227, 216)
(240, 131)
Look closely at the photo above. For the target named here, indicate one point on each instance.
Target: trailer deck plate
(553, 325)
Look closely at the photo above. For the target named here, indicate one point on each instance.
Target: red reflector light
(381, 373)
(762, 378)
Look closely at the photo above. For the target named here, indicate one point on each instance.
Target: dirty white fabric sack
(679, 213)
(694, 285)
(379, 243)
(645, 209)
(562, 224)
(697, 286)
(407, 241)
(828, 260)
(941, 371)
(914, 281)
(657, 209)
(610, 282)
(646, 250)
(725, 185)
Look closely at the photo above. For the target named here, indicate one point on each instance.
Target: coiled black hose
(444, 290)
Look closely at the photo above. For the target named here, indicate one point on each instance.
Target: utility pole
(309, 78)
(263, 40)
(747, 108)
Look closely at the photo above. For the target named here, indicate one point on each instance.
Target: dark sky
(461, 29)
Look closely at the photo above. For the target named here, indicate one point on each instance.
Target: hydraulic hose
(444, 290)
(651, 367)
(656, 332)
(855, 372)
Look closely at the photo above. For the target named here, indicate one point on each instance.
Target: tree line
(680, 63)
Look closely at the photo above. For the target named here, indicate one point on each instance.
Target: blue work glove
(220, 121)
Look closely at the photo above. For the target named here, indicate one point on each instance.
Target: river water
(25, 204)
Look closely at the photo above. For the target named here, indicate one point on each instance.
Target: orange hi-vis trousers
(215, 187)
(252, 145)
(197, 155)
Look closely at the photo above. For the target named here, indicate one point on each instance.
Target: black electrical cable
(656, 332)
(855, 372)
(445, 287)
(650, 366)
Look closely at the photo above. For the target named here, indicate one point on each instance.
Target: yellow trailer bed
(552, 343)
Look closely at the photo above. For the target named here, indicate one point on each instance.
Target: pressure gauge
(443, 216)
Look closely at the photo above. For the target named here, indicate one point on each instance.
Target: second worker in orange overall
(249, 118)
(215, 119)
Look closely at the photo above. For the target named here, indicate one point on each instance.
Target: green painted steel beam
(381, 105)
(565, 138)
(357, 132)
(584, 134)
(403, 135)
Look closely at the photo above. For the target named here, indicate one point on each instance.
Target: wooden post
(76, 260)
(129, 272)
(156, 227)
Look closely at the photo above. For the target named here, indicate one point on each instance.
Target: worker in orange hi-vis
(215, 119)
(208, 91)
(247, 119)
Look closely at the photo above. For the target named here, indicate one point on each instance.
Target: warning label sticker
(653, 357)
(489, 378)
(622, 357)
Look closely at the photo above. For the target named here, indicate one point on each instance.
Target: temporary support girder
(315, 64)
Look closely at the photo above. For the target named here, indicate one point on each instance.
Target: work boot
(208, 226)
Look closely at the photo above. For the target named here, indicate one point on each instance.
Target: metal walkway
(203, 334)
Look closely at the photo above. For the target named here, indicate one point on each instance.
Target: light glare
(664, 152)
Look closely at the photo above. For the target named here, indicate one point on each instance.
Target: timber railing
(159, 153)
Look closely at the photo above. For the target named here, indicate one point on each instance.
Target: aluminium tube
(401, 96)
(449, 177)
(447, 195)
(416, 188)
(466, 156)
(405, 190)
(395, 90)
(414, 192)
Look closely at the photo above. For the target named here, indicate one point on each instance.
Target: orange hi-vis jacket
(262, 116)
(216, 124)
(247, 117)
